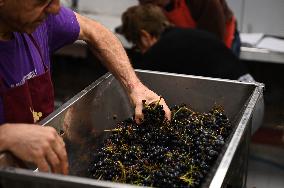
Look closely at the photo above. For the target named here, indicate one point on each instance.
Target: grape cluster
(160, 153)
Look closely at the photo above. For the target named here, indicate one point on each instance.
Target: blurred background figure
(167, 48)
(213, 16)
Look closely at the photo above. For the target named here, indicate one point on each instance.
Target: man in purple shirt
(30, 31)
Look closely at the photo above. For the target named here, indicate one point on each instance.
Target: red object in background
(181, 17)
(269, 136)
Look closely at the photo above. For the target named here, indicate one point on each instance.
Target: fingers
(55, 158)
(138, 114)
(54, 161)
(54, 153)
(62, 155)
(168, 114)
(166, 109)
(42, 164)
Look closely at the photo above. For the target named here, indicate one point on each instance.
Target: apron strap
(39, 50)
(37, 47)
(2, 87)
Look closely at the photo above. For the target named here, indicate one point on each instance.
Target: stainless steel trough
(103, 103)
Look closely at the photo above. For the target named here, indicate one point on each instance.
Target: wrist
(130, 87)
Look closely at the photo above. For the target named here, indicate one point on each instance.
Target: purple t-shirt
(20, 61)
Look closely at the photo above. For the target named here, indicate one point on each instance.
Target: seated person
(179, 50)
(213, 16)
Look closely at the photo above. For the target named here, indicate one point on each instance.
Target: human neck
(151, 41)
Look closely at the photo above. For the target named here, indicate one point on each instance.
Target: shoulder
(65, 15)
(55, 21)
(61, 29)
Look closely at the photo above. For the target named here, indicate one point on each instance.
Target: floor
(266, 167)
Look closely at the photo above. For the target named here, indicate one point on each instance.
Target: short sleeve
(62, 29)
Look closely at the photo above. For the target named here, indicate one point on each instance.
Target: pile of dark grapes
(160, 153)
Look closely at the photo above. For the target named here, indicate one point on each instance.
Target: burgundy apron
(30, 102)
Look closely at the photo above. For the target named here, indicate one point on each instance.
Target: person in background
(213, 16)
(167, 48)
(30, 31)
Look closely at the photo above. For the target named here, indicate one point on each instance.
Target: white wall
(109, 7)
(237, 7)
(265, 16)
(259, 16)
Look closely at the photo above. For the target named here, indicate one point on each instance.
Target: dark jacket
(191, 52)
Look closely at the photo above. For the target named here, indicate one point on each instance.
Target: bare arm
(109, 50)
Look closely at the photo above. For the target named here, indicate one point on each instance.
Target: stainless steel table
(261, 55)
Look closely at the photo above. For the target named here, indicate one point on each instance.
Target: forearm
(3, 139)
(105, 45)
(111, 53)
